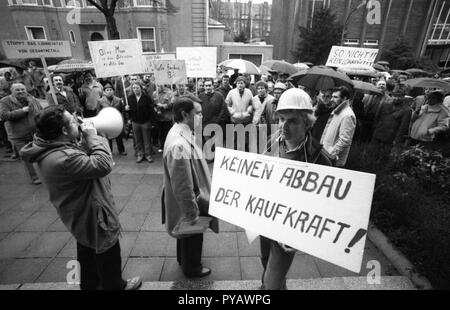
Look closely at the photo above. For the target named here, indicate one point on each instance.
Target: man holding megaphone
(76, 176)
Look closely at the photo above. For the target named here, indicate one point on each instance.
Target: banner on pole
(17, 49)
(344, 55)
(147, 61)
(116, 57)
(320, 210)
(170, 72)
(201, 62)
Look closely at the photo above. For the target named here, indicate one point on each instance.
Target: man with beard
(65, 96)
(76, 176)
(18, 111)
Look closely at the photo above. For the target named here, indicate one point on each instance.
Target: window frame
(140, 38)
(29, 33)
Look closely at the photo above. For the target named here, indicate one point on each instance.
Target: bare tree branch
(94, 3)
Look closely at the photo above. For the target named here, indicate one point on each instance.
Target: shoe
(160, 150)
(123, 154)
(36, 182)
(14, 156)
(133, 284)
(149, 159)
(205, 271)
(140, 158)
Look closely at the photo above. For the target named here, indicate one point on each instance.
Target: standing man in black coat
(142, 114)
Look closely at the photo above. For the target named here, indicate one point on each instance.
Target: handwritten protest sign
(320, 210)
(170, 72)
(344, 55)
(200, 61)
(147, 60)
(15, 49)
(116, 57)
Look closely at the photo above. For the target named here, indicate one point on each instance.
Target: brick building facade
(416, 20)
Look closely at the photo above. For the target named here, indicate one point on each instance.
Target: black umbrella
(322, 78)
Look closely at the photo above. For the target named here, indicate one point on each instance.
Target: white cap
(280, 85)
(295, 99)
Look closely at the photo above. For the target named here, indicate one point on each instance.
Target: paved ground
(35, 247)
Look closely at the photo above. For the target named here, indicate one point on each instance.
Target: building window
(73, 40)
(88, 4)
(150, 3)
(73, 3)
(371, 42)
(257, 59)
(351, 42)
(47, 3)
(28, 2)
(147, 37)
(36, 33)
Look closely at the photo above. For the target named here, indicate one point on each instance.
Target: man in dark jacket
(142, 115)
(225, 88)
(295, 142)
(76, 176)
(65, 96)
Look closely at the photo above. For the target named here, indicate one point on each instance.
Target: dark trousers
(100, 271)
(119, 141)
(164, 128)
(189, 254)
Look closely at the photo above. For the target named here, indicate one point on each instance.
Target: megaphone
(108, 122)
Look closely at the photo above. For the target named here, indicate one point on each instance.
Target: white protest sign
(320, 210)
(170, 72)
(147, 60)
(15, 49)
(116, 57)
(201, 62)
(344, 55)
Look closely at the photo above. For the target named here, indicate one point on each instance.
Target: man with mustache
(65, 96)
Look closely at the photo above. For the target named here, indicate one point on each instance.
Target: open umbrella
(428, 83)
(358, 70)
(72, 65)
(418, 72)
(310, 64)
(322, 78)
(366, 88)
(301, 66)
(383, 63)
(379, 67)
(12, 64)
(280, 66)
(244, 66)
(403, 72)
(265, 70)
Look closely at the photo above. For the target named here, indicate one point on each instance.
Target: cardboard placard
(170, 72)
(320, 210)
(201, 62)
(344, 55)
(17, 49)
(147, 61)
(116, 57)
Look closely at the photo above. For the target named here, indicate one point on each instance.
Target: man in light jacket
(187, 186)
(76, 176)
(338, 134)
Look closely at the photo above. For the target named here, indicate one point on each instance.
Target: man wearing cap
(269, 115)
(65, 96)
(338, 134)
(110, 100)
(294, 142)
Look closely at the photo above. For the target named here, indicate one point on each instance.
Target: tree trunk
(113, 33)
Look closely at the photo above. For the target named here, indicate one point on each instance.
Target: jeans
(119, 141)
(276, 263)
(20, 143)
(142, 134)
(100, 271)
